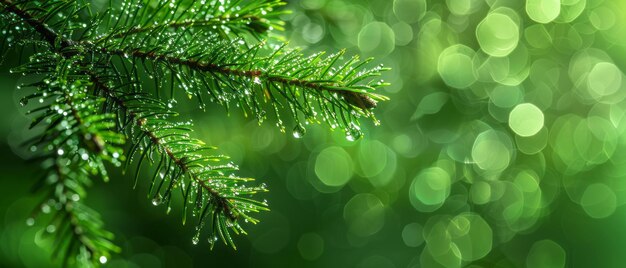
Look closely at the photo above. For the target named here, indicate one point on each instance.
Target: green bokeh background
(503, 146)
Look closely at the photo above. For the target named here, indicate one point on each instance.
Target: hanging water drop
(156, 200)
(103, 259)
(353, 132)
(212, 241)
(171, 103)
(299, 131)
(196, 239)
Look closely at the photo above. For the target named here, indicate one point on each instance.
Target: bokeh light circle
(412, 235)
(431, 187)
(603, 18)
(409, 11)
(526, 119)
(498, 34)
(492, 151)
(471, 236)
(598, 201)
(364, 214)
(311, 246)
(543, 11)
(570, 10)
(376, 38)
(333, 166)
(604, 79)
(480, 193)
(456, 66)
(463, 7)
(546, 253)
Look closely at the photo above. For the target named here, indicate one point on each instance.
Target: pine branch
(94, 97)
(77, 228)
(74, 143)
(226, 18)
(46, 32)
(180, 156)
(196, 59)
(231, 72)
(43, 18)
(226, 200)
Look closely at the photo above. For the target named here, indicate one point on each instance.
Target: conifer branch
(93, 98)
(48, 34)
(77, 228)
(203, 66)
(231, 72)
(228, 205)
(74, 144)
(221, 17)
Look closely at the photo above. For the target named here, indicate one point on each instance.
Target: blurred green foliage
(503, 146)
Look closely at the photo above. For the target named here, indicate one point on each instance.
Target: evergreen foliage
(105, 80)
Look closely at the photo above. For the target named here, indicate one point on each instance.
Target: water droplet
(51, 228)
(116, 155)
(30, 221)
(212, 241)
(75, 197)
(156, 200)
(299, 131)
(353, 132)
(195, 240)
(171, 103)
(60, 152)
(103, 259)
(24, 102)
